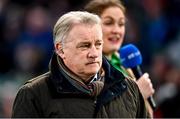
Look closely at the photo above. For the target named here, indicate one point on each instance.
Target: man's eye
(98, 45)
(85, 45)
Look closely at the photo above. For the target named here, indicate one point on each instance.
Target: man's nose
(93, 52)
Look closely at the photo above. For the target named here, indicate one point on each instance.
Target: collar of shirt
(95, 78)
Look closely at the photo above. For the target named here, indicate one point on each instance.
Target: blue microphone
(132, 58)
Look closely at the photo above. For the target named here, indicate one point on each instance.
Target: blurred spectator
(132, 30)
(57, 8)
(37, 31)
(154, 29)
(168, 91)
(8, 90)
(11, 24)
(27, 60)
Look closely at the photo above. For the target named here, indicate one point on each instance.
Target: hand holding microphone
(131, 58)
(145, 85)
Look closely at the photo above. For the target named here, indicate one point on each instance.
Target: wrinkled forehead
(85, 31)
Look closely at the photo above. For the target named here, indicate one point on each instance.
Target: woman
(112, 14)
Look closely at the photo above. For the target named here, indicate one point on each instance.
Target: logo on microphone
(133, 55)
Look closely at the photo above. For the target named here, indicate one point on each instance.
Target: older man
(81, 82)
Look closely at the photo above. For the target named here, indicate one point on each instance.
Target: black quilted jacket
(52, 95)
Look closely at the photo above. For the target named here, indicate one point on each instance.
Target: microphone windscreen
(130, 56)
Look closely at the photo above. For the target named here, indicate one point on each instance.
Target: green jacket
(52, 95)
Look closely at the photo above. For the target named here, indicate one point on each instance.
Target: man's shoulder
(33, 89)
(37, 81)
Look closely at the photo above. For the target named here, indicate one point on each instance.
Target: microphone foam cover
(130, 56)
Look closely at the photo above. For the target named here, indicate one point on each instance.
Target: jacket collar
(63, 80)
(62, 84)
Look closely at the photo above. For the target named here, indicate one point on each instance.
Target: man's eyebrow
(87, 42)
(84, 42)
(99, 41)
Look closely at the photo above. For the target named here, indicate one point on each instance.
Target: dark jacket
(52, 95)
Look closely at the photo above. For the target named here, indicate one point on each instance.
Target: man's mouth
(91, 63)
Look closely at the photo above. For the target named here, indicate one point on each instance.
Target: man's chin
(92, 72)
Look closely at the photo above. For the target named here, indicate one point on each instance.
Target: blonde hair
(98, 6)
(66, 22)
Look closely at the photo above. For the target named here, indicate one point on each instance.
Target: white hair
(66, 22)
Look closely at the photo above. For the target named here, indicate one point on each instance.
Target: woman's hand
(145, 85)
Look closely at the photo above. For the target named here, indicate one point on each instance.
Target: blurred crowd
(26, 45)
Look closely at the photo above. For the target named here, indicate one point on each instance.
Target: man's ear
(59, 50)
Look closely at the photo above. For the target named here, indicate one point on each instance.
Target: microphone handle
(152, 102)
(138, 73)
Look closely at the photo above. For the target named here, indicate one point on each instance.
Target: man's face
(82, 52)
